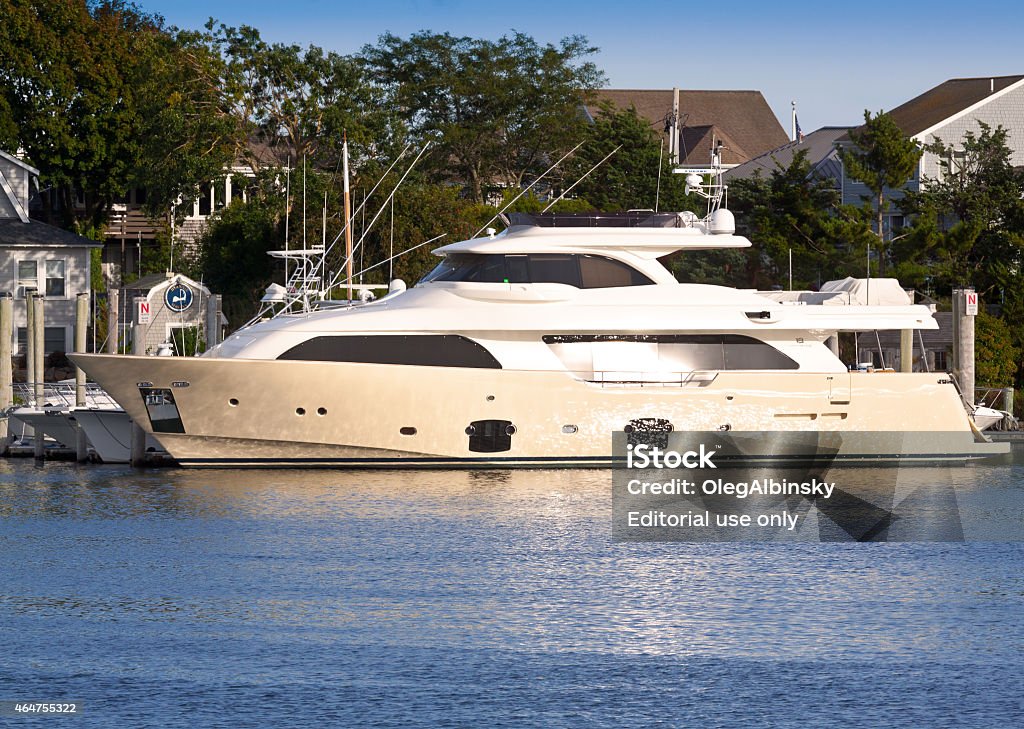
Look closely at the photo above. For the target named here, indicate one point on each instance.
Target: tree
(101, 95)
(629, 179)
(422, 211)
(883, 158)
(969, 222)
(190, 135)
(792, 211)
(998, 358)
(302, 101)
(233, 253)
(497, 110)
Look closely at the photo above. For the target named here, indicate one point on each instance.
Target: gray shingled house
(947, 112)
(34, 255)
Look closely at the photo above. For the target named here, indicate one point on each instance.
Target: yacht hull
(239, 412)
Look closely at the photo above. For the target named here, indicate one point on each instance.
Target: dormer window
(582, 271)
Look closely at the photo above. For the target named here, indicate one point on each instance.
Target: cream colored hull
(265, 412)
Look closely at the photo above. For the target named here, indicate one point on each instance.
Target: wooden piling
(213, 309)
(6, 367)
(38, 367)
(113, 321)
(81, 325)
(906, 350)
(138, 329)
(963, 342)
(137, 451)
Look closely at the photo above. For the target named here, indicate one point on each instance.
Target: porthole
(233, 402)
(569, 429)
(300, 411)
(407, 430)
(470, 430)
(321, 411)
(490, 398)
(510, 430)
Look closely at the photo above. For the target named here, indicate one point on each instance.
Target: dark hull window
(490, 436)
(425, 350)
(580, 271)
(162, 410)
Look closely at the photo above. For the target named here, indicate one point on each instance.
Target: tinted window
(552, 268)
(426, 350)
(598, 272)
(588, 272)
(518, 268)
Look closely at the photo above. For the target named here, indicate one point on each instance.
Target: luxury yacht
(531, 348)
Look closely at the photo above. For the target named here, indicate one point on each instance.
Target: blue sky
(833, 59)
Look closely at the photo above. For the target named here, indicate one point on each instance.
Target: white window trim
(46, 278)
(23, 283)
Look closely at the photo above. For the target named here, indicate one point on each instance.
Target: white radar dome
(723, 222)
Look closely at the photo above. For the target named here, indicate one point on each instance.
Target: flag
(799, 131)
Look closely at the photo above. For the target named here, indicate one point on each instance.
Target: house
(742, 120)
(822, 155)
(175, 309)
(948, 112)
(130, 232)
(34, 255)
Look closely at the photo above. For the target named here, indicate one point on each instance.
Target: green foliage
(792, 211)
(884, 157)
(302, 102)
(99, 284)
(101, 95)
(187, 341)
(234, 260)
(629, 179)
(997, 358)
(969, 223)
(530, 203)
(190, 134)
(496, 110)
(422, 211)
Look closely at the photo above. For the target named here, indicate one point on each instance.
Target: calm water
(223, 598)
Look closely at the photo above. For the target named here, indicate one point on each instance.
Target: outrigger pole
(348, 220)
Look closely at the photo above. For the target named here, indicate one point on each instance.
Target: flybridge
(649, 237)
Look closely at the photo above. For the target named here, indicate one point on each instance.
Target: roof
(820, 146)
(947, 100)
(156, 282)
(21, 163)
(147, 282)
(40, 235)
(741, 117)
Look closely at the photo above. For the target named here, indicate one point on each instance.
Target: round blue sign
(178, 297)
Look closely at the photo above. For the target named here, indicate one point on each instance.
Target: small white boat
(985, 417)
(109, 431)
(51, 422)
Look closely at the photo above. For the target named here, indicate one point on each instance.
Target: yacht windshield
(580, 271)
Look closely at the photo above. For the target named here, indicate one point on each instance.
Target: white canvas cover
(882, 291)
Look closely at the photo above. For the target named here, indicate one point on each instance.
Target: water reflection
(462, 560)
